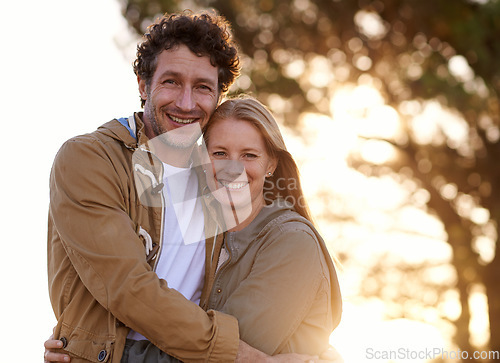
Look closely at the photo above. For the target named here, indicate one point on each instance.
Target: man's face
(183, 92)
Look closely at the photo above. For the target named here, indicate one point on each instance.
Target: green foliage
(408, 49)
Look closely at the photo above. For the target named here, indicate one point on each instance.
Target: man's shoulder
(108, 137)
(110, 132)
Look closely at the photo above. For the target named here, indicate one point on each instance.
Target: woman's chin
(239, 203)
(235, 203)
(237, 198)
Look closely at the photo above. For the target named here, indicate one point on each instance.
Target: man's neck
(178, 157)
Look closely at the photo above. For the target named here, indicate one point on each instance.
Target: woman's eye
(218, 153)
(250, 156)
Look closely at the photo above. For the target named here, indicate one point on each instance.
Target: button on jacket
(101, 281)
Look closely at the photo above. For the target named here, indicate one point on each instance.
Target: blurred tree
(297, 54)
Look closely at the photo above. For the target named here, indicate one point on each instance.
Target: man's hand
(293, 358)
(331, 355)
(246, 353)
(49, 356)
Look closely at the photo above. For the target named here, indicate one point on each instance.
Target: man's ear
(142, 88)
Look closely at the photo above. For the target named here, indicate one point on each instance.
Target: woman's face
(240, 163)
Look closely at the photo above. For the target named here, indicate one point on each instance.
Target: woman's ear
(273, 164)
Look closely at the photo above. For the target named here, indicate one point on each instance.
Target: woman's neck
(238, 219)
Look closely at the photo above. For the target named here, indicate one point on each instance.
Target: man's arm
(246, 353)
(91, 221)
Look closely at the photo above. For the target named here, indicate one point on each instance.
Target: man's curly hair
(205, 34)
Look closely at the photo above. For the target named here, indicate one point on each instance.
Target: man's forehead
(182, 56)
(201, 77)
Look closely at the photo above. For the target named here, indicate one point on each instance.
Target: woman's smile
(232, 185)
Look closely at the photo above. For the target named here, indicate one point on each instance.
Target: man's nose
(185, 99)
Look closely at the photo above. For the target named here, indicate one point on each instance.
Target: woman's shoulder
(284, 220)
(291, 232)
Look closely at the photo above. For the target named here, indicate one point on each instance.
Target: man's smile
(183, 121)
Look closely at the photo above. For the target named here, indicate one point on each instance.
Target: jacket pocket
(84, 346)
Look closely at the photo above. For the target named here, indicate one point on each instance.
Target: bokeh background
(390, 108)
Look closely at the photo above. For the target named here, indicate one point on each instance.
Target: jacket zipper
(162, 213)
(219, 271)
(133, 125)
(162, 216)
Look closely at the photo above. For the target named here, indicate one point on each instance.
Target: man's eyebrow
(198, 80)
(208, 81)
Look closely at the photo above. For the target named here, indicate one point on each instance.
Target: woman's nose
(228, 169)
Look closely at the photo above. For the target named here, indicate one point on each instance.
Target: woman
(274, 273)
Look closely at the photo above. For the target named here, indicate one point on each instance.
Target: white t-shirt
(182, 255)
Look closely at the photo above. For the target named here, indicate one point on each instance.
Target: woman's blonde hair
(285, 181)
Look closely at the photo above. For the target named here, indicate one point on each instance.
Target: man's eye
(168, 81)
(205, 88)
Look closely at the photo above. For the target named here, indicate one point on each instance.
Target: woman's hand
(51, 356)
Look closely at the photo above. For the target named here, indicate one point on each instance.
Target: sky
(62, 75)
(66, 70)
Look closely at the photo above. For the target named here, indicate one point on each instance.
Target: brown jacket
(101, 282)
(279, 281)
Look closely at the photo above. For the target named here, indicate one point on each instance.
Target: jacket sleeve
(89, 212)
(286, 277)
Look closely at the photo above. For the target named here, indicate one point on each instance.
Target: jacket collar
(274, 214)
(117, 131)
(240, 240)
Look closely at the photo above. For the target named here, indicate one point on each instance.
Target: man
(107, 236)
